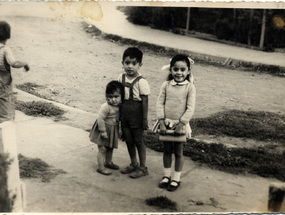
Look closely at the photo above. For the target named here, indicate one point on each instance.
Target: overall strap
(130, 85)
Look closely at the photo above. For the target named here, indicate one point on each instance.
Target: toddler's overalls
(131, 110)
(7, 103)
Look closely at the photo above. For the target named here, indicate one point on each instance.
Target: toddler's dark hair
(176, 58)
(5, 31)
(114, 86)
(133, 52)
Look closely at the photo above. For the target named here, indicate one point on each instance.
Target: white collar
(172, 82)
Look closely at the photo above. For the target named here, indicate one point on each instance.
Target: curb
(73, 117)
(202, 58)
(60, 105)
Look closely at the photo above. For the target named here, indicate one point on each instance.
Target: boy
(134, 111)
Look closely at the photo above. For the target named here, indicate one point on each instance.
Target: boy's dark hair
(176, 58)
(133, 52)
(114, 86)
(5, 31)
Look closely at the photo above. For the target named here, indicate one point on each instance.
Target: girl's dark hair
(5, 31)
(114, 86)
(133, 52)
(176, 58)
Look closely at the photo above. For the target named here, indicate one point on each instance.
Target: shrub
(36, 168)
(39, 108)
(264, 126)
(31, 88)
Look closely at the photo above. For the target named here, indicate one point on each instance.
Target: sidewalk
(115, 22)
(82, 189)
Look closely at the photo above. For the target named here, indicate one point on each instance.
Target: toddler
(105, 131)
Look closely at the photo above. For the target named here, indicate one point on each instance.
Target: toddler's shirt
(141, 87)
(107, 114)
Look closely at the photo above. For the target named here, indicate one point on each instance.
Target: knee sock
(176, 176)
(167, 173)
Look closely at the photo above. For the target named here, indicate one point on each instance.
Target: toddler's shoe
(173, 185)
(164, 183)
(104, 171)
(141, 171)
(111, 166)
(129, 169)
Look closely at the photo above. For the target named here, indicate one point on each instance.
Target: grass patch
(162, 202)
(6, 203)
(263, 126)
(36, 168)
(31, 88)
(232, 160)
(39, 108)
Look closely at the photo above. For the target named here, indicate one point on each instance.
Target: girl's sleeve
(160, 113)
(103, 112)
(190, 105)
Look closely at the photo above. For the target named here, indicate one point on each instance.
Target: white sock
(167, 173)
(176, 176)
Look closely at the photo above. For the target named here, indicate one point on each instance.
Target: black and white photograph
(142, 107)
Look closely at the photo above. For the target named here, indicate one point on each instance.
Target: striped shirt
(6, 59)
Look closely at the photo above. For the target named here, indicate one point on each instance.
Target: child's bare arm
(162, 127)
(179, 129)
(145, 111)
(20, 64)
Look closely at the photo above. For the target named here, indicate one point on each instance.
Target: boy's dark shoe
(140, 171)
(129, 169)
(111, 166)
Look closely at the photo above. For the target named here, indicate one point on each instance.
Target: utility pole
(261, 43)
(188, 20)
(250, 27)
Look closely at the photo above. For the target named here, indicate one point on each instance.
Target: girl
(175, 107)
(105, 131)
(7, 60)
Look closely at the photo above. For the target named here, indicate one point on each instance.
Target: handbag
(169, 135)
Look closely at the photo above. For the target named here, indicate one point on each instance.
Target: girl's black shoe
(172, 187)
(163, 184)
